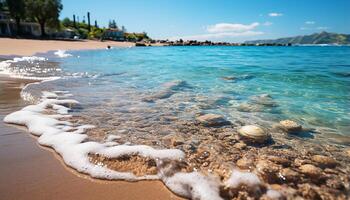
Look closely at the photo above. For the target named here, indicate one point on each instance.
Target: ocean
(145, 102)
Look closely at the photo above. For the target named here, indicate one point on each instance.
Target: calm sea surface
(248, 85)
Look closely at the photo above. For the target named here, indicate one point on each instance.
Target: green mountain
(316, 38)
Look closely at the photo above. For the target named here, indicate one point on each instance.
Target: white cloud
(275, 14)
(322, 28)
(210, 36)
(224, 30)
(313, 28)
(310, 22)
(227, 27)
(267, 23)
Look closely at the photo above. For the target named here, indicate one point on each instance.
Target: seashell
(253, 133)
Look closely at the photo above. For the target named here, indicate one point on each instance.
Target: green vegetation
(136, 37)
(45, 12)
(82, 30)
(112, 24)
(17, 11)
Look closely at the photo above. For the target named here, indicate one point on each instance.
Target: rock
(289, 175)
(311, 170)
(324, 161)
(173, 140)
(253, 133)
(204, 155)
(279, 160)
(140, 44)
(244, 163)
(175, 85)
(167, 90)
(290, 126)
(248, 107)
(264, 99)
(212, 120)
(335, 183)
(240, 145)
(163, 94)
(347, 151)
(268, 171)
(299, 162)
(228, 78)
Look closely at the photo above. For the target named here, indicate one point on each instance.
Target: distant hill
(316, 38)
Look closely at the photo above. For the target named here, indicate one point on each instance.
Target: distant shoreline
(28, 47)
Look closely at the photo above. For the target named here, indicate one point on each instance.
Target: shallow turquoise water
(308, 84)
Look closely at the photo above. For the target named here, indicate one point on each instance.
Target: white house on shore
(8, 26)
(114, 34)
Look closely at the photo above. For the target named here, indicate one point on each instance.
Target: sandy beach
(29, 171)
(25, 47)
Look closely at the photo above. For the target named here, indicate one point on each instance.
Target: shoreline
(33, 163)
(28, 47)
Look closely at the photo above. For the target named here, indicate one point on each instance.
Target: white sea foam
(238, 178)
(23, 73)
(273, 194)
(193, 185)
(62, 54)
(70, 141)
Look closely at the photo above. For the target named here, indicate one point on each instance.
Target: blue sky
(217, 20)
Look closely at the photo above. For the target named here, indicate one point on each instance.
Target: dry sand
(24, 47)
(28, 171)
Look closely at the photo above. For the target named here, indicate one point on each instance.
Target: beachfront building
(8, 26)
(114, 34)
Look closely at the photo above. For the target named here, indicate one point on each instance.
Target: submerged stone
(324, 161)
(167, 90)
(244, 163)
(290, 126)
(248, 107)
(310, 170)
(288, 175)
(228, 78)
(347, 151)
(253, 133)
(212, 120)
(240, 145)
(264, 99)
(173, 140)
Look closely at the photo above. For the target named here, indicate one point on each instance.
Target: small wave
(71, 142)
(29, 68)
(62, 54)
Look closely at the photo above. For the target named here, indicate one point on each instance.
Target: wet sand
(28, 171)
(25, 47)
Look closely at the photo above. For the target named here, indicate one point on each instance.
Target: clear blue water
(310, 85)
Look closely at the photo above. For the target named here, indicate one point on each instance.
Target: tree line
(44, 12)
